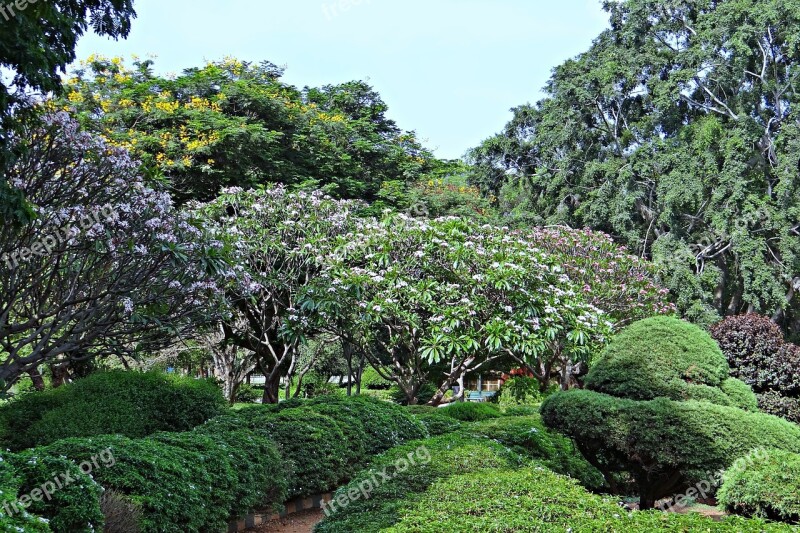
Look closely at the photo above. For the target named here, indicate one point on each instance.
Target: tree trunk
(271, 389)
(37, 379)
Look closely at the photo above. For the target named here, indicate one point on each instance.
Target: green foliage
(740, 394)
(436, 422)
(446, 456)
(127, 403)
(665, 445)
(232, 123)
(528, 436)
(10, 484)
(659, 357)
(370, 379)
(766, 486)
(471, 411)
(542, 501)
(247, 394)
(519, 390)
(75, 505)
(671, 133)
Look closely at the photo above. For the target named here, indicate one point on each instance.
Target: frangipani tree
(449, 291)
(276, 243)
(106, 266)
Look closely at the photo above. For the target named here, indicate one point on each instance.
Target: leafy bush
(751, 343)
(542, 501)
(767, 486)
(471, 411)
(247, 394)
(658, 357)
(446, 455)
(386, 424)
(775, 404)
(519, 390)
(353, 427)
(370, 379)
(740, 394)
(22, 520)
(437, 423)
(528, 436)
(128, 403)
(665, 445)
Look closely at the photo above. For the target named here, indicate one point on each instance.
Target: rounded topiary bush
(133, 404)
(740, 394)
(435, 422)
(659, 357)
(766, 485)
(471, 411)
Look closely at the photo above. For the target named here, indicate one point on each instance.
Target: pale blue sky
(449, 69)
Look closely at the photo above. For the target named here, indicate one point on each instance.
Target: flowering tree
(450, 291)
(622, 285)
(276, 242)
(107, 264)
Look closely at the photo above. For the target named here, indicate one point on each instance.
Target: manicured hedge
(435, 422)
(133, 404)
(659, 357)
(447, 455)
(535, 499)
(528, 436)
(766, 486)
(665, 445)
(19, 519)
(740, 394)
(471, 411)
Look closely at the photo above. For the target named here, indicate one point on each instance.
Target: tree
(676, 133)
(275, 242)
(448, 292)
(236, 124)
(38, 40)
(660, 408)
(107, 266)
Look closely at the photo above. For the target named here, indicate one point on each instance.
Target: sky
(450, 70)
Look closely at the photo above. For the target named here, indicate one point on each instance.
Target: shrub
(435, 422)
(23, 520)
(370, 379)
(528, 436)
(471, 411)
(190, 487)
(386, 424)
(773, 403)
(446, 455)
(127, 403)
(542, 501)
(658, 357)
(247, 394)
(740, 394)
(353, 427)
(768, 486)
(750, 343)
(519, 390)
(665, 445)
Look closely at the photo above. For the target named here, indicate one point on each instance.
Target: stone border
(257, 518)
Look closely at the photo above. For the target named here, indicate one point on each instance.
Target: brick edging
(257, 518)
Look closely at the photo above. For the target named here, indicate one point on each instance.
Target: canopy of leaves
(677, 133)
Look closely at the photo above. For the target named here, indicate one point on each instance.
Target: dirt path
(302, 522)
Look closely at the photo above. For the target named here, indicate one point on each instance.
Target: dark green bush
(665, 445)
(775, 404)
(658, 357)
(471, 411)
(386, 424)
(740, 394)
(446, 456)
(536, 500)
(528, 436)
(19, 519)
(353, 426)
(248, 394)
(127, 403)
(178, 488)
(767, 485)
